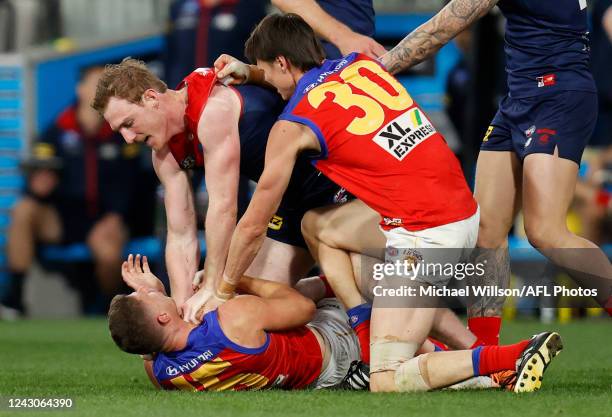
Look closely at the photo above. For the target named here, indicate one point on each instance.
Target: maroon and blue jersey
(379, 145)
(547, 46)
(212, 362)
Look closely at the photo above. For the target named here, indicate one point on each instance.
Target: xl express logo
(404, 133)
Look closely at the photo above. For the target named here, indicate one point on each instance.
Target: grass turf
(78, 360)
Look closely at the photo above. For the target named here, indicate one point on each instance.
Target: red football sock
(608, 306)
(329, 293)
(486, 329)
(359, 319)
(363, 335)
(439, 346)
(489, 359)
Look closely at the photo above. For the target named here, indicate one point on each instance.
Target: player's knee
(308, 225)
(543, 235)
(491, 236)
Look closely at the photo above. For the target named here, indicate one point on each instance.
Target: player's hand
(197, 281)
(193, 309)
(137, 275)
(231, 71)
(355, 42)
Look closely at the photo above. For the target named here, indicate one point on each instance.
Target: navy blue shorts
(563, 120)
(313, 192)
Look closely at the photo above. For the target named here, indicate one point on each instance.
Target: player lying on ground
(275, 338)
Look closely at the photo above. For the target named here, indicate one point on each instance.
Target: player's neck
(177, 101)
(176, 338)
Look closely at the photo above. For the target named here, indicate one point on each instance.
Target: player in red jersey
(273, 338)
(364, 132)
(206, 125)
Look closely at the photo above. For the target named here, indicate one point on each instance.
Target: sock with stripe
(489, 359)
(359, 319)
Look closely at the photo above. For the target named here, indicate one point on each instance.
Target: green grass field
(78, 360)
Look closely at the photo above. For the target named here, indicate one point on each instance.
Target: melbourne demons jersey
(547, 46)
(259, 110)
(378, 144)
(212, 362)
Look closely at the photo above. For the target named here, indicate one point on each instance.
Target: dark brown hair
(285, 35)
(131, 327)
(128, 80)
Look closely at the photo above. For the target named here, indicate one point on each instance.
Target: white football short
(331, 322)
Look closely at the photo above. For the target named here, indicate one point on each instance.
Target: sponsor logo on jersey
(276, 222)
(547, 80)
(172, 371)
(324, 75)
(404, 133)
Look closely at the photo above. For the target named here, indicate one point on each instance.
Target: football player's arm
(330, 29)
(428, 38)
(182, 247)
(148, 365)
(218, 132)
(276, 307)
(285, 142)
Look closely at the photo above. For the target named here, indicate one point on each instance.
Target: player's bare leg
(498, 193)
(548, 190)
(280, 262)
(529, 358)
(396, 335)
(447, 327)
(332, 233)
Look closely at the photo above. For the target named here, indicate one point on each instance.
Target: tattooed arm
(425, 40)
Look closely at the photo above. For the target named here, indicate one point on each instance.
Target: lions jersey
(547, 46)
(212, 362)
(378, 144)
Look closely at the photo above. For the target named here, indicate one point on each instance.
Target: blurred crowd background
(75, 198)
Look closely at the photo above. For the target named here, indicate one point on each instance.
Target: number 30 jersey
(378, 144)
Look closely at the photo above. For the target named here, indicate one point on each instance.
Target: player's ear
(163, 319)
(283, 63)
(150, 97)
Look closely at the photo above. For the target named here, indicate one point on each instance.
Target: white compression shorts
(331, 322)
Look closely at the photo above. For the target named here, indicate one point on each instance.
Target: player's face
(279, 77)
(138, 123)
(155, 301)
